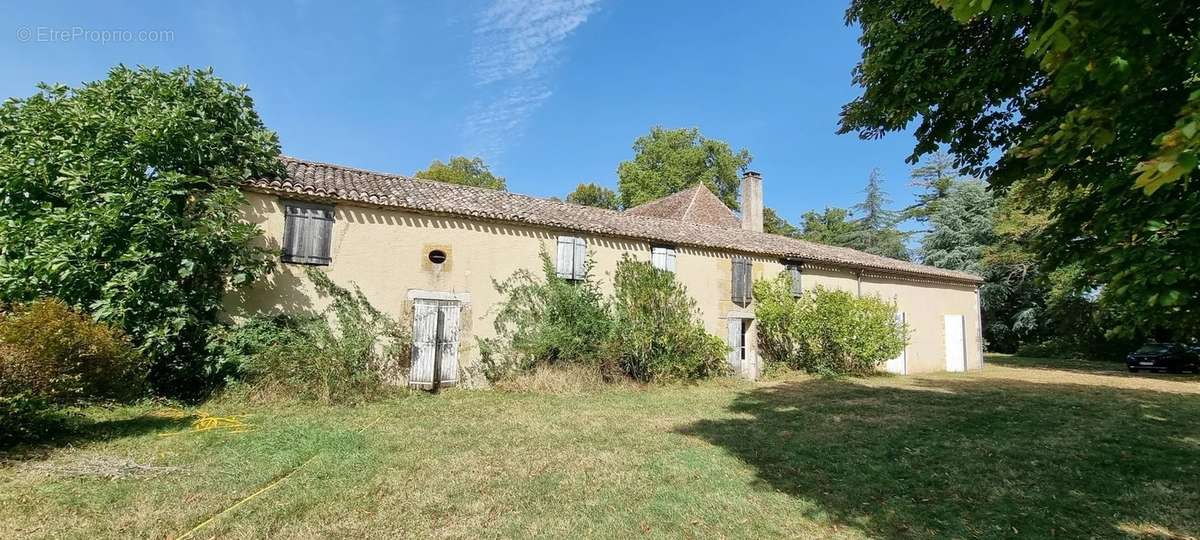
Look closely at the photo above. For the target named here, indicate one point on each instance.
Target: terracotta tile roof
(310, 179)
(695, 205)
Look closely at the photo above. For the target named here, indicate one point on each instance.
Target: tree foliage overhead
(1095, 105)
(593, 194)
(463, 171)
(121, 197)
(667, 161)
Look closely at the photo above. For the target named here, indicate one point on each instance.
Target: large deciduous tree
(121, 197)
(1096, 105)
(463, 171)
(832, 227)
(593, 194)
(666, 161)
(774, 224)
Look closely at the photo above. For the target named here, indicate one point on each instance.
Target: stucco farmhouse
(427, 251)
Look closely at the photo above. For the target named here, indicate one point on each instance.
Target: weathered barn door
(737, 343)
(435, 342)
(956, 344)
(899, 364)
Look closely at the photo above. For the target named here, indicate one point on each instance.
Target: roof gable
(695, 205)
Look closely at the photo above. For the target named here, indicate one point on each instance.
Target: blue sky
(550, 92)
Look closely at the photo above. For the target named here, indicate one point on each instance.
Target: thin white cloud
(516, 44)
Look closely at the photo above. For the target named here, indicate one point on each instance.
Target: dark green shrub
(338, 357)
(657, 334)
(824, 331)
(27, 419)
(50, 352)
(232, 347)
(547, 321)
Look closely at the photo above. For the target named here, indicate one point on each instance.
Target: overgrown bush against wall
(340, 356)
(649, 330)
(548, 320)
(657, 332)
(830, 332)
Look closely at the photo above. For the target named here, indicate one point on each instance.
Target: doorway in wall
(956, 344)
(435, 343)
(899, 364)
(738, 328)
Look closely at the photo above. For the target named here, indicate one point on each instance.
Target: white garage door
(956, 344)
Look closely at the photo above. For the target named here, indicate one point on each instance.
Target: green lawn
(1024, 448)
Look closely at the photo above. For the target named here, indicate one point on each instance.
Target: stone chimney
(752, 202)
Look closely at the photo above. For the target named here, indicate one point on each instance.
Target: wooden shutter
(741, 280)
(307, 233)
(571, 255)
(566, 252)
(427, 342)
(579, 257)
(797, 282)
(424, 341)
(737, 345)
(448, 342)
(663, 258)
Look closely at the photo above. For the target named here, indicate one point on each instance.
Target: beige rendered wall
(385, 252)
(925, 306)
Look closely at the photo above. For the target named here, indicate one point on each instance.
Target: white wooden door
(899, 364)
(737, 344)
(427, 341)
(956, 344)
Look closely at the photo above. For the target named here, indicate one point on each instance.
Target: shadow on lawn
(1088, 367)
(975, 458)
(61, 430)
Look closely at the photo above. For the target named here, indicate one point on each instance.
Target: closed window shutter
(580, 255)
(307, 233)
(741, 280)
(663, 258)
(797, 284)
(566, 252)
